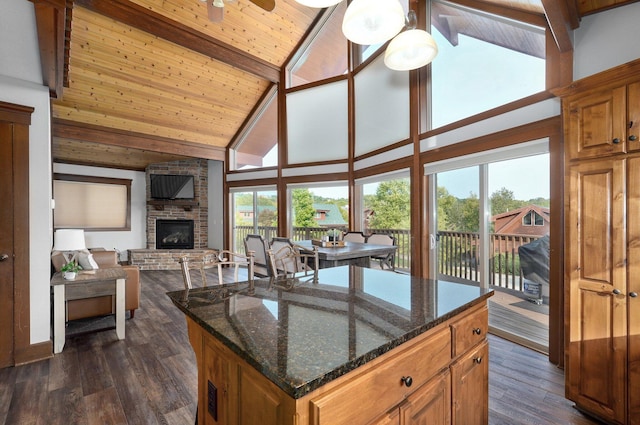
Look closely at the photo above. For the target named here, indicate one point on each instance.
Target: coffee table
(96, 283)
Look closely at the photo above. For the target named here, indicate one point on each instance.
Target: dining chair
(354, 237)
(221, 260)
(259, 246)
(383, 239)
(289, 260)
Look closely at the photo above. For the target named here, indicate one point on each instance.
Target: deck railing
(402, 239)
(458, 256)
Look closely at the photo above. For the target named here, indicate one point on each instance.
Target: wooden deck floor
(150, 377)
(514, 317)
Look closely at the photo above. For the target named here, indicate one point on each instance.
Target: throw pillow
(86, 261)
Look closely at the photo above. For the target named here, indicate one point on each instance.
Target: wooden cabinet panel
(633, 286)
(429, 405)
(362, 398)
(260, 401)
(596, 124)
(597, 333)
(469, 331)
(633, 117)
(470, 387)
(216, 384)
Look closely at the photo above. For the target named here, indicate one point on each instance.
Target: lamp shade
(370, 22)
(410, 49)
(69, 240)
(318, 3)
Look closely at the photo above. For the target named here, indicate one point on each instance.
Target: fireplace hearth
(174, 234)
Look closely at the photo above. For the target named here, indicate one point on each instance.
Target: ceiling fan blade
(215, 13)
(267, 5)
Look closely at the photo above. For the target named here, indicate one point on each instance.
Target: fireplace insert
(174, 234)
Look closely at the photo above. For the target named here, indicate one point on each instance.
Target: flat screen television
(172, 186)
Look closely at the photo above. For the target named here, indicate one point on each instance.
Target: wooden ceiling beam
(560, 23)
(110, 136)
(158, 25)
(51, 21)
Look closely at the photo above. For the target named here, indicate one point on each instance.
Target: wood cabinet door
(597, 124)
(470, 387)
(430, 404)
(597, 338)
(633, 117)
(633, 287)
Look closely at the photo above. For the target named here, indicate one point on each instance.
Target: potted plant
(334, 235)
(70, 270)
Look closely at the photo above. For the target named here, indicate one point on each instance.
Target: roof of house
(506, 219)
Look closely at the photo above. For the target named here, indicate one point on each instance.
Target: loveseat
(100, 306)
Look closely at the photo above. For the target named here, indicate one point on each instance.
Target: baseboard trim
(34, 353)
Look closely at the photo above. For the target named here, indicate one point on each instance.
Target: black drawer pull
(477, 360)
(407, 381)
(477, 331)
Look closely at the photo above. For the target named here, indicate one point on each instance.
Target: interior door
(6, 244)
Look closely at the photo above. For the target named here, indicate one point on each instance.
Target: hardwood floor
(150, 377)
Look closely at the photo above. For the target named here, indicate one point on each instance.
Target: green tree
(458, 215)
(502, 200)
(267, 218)
(391, 205)
(303, 210)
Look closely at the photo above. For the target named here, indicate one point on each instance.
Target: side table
(96, 283)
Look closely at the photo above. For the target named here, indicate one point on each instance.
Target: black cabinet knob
(477, 331)
(616, 141)
(407, 380)
(633, 137)
(477, 360)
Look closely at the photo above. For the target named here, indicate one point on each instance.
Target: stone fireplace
(175, 228)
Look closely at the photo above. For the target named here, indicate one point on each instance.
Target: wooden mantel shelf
(159, 204)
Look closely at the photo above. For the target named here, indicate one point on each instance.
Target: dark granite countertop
(302, 334)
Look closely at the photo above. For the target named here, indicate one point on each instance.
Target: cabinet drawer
(379, 388)
(469, 331)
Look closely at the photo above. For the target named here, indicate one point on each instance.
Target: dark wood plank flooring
(150, 377)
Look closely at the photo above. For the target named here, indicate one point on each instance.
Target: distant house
(328, 215)
(530, 220)
(246, 211)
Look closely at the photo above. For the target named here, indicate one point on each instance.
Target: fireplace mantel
(159, 204)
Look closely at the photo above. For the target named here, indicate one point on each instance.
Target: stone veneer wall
(166, 259)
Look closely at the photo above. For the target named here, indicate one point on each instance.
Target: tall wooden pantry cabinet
(602, 249)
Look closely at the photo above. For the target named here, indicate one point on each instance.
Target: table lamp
(69, 242)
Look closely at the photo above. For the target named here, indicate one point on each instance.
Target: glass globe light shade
(411, 49)
(370, 22)
(318, 3)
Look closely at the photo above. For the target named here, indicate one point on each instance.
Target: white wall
(606, 39)
(21, 83)
(136, 238)
(216, 204)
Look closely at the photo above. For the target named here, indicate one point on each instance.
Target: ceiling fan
(215, 8)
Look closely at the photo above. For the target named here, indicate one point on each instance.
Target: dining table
(354, 253)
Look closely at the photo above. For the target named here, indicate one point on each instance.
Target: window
(317, 208)
(325, 53)
(92, 203)
(464, 81)
(257, 145)
(385, 207)
(254, 211)
(533, 219)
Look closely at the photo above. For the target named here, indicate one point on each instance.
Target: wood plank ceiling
(127, 84)
(155, 80)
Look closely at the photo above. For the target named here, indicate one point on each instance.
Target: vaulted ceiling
(135, 82)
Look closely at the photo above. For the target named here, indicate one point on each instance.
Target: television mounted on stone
(172, 186)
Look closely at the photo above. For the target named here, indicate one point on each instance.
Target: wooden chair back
(354, 237)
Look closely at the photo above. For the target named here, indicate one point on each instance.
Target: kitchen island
(349, 345)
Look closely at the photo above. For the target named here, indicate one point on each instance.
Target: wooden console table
(109, 281)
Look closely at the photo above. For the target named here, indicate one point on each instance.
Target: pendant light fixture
(370, 22)
(410, 49)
